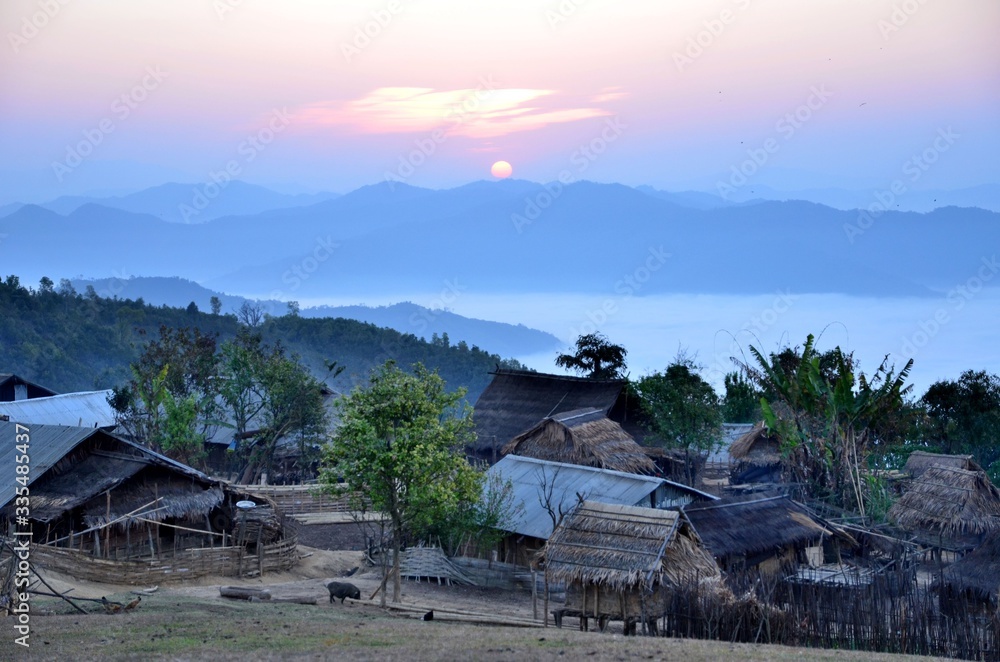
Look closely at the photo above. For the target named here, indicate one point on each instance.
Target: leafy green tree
(595, 357)
(964, 415)
(828, 419)
(741, 403)
(398, 447)
(216, 304)
(180, 438)
(682, 409)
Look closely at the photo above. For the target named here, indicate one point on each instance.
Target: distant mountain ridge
(407, 318)
(398, 241)
(187, 203)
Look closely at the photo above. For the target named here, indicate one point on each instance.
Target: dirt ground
(192, 622)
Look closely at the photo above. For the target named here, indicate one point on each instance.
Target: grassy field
(181, 627)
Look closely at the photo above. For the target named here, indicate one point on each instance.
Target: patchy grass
(171, 626)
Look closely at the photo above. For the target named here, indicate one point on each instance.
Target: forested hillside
(70, 341)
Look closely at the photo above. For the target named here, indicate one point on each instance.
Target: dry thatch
(756, 448)
(921, 461)
(516, 400)
(179, 499)
(624, 547)
(586, 437)
(977, 573)
(748, 527)
(949, 502)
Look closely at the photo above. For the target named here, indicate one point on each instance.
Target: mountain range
(405, 317)
(401, 242)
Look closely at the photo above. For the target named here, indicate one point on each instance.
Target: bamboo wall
(296, 499)
(178, 567)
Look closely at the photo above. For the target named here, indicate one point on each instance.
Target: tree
(595, 357)
(192, 308)
(682, 408)
(828, 420)
(398, 447)
(216, 304)
(964, 415)
(250, 314)
(46, 285)
(741, 403)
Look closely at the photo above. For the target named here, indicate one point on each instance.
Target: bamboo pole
(107, 529)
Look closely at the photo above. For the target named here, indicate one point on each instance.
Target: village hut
(14, 387)
(88, 409)
(948, 508)
(107, 509)
(516, 400)
(756, 458)
(583, 436)
(620, 562)
(973, 582)
(920, 461)
(769, 533)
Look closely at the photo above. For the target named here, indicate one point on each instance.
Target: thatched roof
(626, 547)
(978, 572)
(516, 400)
(583, 436)
(950, 502)
(749, 526)
(757, 448)
(921, 461)
(170, 498)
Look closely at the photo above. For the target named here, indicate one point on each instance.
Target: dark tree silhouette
(596, 357)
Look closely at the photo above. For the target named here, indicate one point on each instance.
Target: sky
(309, 95)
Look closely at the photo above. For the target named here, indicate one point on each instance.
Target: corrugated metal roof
(527, 476)
(730, 433)
(85, 409)
(47, 444)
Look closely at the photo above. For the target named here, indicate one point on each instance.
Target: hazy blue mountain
(986, 196)
(692, 199)
(513, 236)
(496, 337)
(192, 203)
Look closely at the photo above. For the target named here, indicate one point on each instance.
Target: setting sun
(501, 170)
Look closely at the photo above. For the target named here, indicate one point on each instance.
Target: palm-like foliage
(828, 419)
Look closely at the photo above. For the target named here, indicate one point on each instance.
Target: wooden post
(583, 609)
(107, 528)
(546, 596)
(534, 594)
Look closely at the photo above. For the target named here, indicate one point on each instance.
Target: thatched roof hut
(516, 400)
(756, 457)
(921, 461)
(977, 574)
(745, 532)
(625, 547)
(583, 436)
(949, 506)
(116, 498)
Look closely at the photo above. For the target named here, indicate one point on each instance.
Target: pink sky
(513, 79)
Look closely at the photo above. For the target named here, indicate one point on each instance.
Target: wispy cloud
(481, 112)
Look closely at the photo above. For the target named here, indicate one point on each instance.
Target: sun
(501, 170)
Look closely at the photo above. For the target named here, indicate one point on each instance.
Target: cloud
(482, 112)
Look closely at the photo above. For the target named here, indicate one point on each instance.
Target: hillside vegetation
(69, 341)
